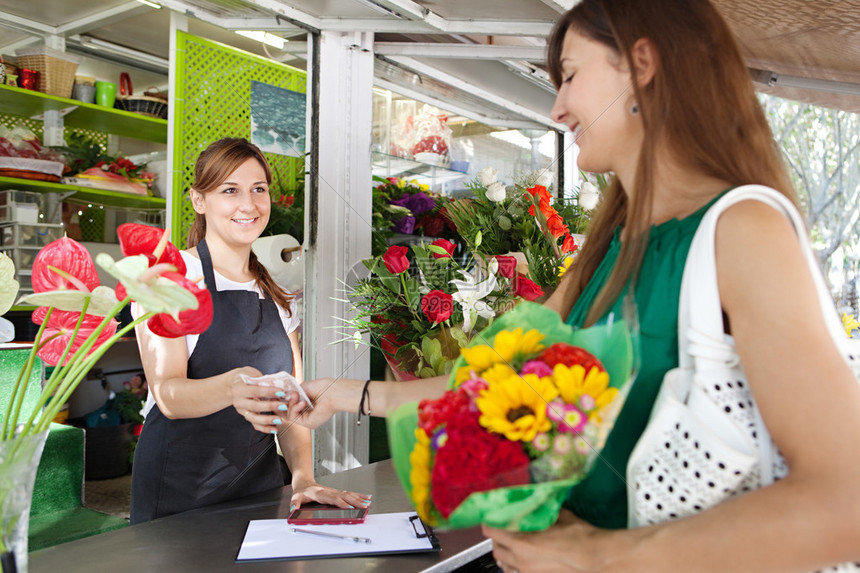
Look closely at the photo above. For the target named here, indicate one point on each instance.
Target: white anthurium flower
(589, 196)
(8, 284)
(145, 285)
(488, 175)
(470, 294)
(102, 300)
(544, 178)
(497, 192)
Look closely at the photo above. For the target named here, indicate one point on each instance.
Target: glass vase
(19, 460)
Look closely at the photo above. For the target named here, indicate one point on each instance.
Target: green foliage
(82, 152)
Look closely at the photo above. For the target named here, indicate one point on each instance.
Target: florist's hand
(312, 491)
(321, 393)
(257, 404)
(570, 545)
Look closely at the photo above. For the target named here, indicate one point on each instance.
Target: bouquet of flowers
(524, 218)
(529, 407)
(420, 305)
(409, 208)
(77, 318)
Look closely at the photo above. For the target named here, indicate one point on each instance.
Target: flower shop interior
(378, 117)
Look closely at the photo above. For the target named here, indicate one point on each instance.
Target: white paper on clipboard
(388, 532)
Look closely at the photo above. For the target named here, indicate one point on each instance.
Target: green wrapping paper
(534, 506)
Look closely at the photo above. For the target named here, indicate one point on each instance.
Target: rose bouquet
(420, 305)
(529, 407)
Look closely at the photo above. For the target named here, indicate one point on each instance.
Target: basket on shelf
(152, 103)
(56, 69)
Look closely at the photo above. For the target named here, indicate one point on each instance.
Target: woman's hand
(321, 393)
(570, 545)
(312, 491)
(259, 405)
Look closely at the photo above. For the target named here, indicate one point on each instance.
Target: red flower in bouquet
(165, 262)
(507, 266)
(395, 259)
(556, 226)
(473, 460)
(526, 288)
(438, 306)
(136, 239)
(77, 270)
(512, 419)
(445, 244)
(190, 321)
(60, 331)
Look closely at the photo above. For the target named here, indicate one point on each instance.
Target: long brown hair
(701, 103)
(213, 166)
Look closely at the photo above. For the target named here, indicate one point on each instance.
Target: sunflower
(419, 476)
(573, 383)
(498, 372)
(507, 345)
(516, 407)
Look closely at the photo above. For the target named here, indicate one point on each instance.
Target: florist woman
(657, 93)
(209, 436)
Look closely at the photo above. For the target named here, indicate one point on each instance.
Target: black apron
(188, 463)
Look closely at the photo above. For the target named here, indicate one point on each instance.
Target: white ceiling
(483, 57)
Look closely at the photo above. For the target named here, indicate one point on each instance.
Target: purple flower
(405, 225)
(418, 203)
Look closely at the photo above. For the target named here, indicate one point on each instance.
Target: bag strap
(701, 340)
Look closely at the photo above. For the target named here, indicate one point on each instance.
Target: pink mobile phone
(326, 514)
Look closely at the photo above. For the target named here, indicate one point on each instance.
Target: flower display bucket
(19, 460)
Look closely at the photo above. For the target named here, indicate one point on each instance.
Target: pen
(352, 538)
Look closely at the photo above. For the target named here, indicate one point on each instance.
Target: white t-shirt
(194, 269)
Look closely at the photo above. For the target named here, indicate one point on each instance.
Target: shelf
(86, 195)
(384, 165)
(18, 101)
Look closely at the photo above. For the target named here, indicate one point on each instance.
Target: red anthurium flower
(445, 244)
(59, 331)
(137, 239)
(72, 259)
(191, 321)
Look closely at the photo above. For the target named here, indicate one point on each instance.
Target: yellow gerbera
(509, 343)
(419, 476)
(516, 407)
(498, 372)
(849, 323)
(565, 264)
(463, 374)
(573, 382)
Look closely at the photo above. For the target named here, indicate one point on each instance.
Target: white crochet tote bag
(705, 441)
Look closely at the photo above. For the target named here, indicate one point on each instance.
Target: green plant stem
(87, 363)
(11, 420)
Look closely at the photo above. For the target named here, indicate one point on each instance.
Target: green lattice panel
(36, 126)
(213, 96)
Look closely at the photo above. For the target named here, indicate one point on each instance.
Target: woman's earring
(634, 110)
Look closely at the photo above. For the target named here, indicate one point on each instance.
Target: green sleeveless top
(601, 498)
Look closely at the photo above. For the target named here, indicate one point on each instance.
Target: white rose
(545, 178)
(497, 192)
(487, 176)
(589, 196)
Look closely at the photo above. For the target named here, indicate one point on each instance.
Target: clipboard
(388, 533)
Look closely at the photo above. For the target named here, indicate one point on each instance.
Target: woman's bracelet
(365, 395)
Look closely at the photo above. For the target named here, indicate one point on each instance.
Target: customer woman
(657, 93)
(209, 436)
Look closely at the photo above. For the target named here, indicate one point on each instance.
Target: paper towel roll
(282, 257)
